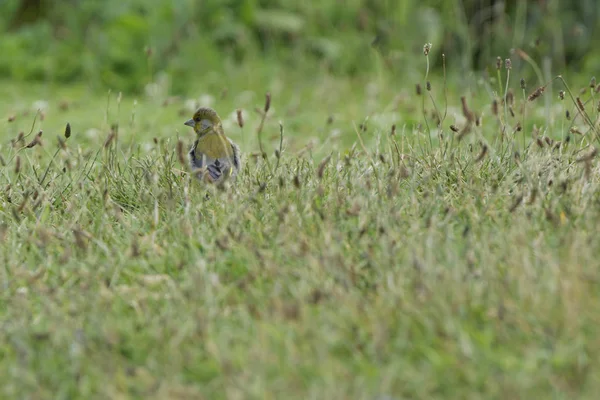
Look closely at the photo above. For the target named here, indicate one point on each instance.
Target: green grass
(405, 266)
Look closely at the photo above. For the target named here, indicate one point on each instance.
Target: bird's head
(204, 120)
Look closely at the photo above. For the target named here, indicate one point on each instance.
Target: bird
(213, 156)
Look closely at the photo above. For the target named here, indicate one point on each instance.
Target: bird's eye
(197, 119)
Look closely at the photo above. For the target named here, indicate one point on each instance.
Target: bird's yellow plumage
(214, 145)
(213, 155)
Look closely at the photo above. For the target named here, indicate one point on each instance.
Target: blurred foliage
(122, 44)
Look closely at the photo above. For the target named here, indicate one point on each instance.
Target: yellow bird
(213, 156)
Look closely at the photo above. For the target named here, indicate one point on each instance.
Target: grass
(424, 264)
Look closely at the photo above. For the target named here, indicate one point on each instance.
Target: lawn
(392, 243)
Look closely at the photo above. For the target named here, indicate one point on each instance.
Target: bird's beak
(190, 122)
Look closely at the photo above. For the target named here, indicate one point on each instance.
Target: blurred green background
(123, 44)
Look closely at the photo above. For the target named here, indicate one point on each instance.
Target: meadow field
(415, 231)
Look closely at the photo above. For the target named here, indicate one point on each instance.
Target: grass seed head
(322, 166)
(427, 48)
(267, 102)
(464, 132)
(181, 153)
(537, 93)
(36, 140)
(68, 130)
(468, 114)
(240, 117)
(483, 152)
(109, 139)
(498, 62)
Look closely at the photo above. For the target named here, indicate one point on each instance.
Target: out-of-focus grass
(412, 265)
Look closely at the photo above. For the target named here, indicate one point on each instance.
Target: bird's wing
(195, 161)
(215, 169)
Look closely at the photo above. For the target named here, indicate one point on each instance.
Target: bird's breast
(214, 146)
